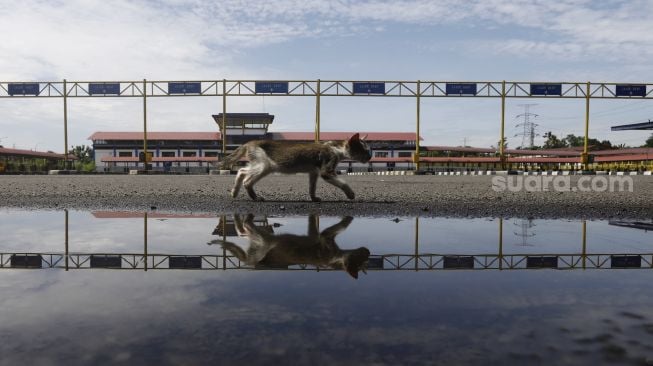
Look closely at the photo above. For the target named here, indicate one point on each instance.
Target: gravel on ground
(459, 196)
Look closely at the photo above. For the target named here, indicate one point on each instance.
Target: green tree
(83, 153)
(649, 141)
(574, 141)
(552, 141)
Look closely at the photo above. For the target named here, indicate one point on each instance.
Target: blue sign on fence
(630, 90)
(104, 88)
(546, 89)
(369, 88)
(185, 88)
(24, 89)
(274, 87)
(461, 89)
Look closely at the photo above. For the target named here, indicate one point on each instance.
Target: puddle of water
(453, 290)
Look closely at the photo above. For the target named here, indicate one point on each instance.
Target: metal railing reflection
(415, 261)
(420, 262)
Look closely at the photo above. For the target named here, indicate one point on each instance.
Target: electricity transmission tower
(528, 127)
(525, 225)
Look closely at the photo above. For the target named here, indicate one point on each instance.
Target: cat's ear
(354, 138)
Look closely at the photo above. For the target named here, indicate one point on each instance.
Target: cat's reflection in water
(316, 248)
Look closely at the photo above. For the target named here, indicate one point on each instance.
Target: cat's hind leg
(254, 175)
(312, 185)
(242, 173)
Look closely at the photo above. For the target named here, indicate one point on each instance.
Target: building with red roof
(197, 152)
(19, 160)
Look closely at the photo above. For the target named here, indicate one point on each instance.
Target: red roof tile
(633, 157)
(543, 159)
(291, 136)
(489, 150)
(636, 150)
(327, 136)
(151, 215)
(34, 154)
(460, 149)
(210, 136)
(120, 159)
(459, 159)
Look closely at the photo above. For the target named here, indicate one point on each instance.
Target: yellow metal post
(502, 157)
(584, 242)
(145, 241)
(145, 121)
(416, 243)
(66, 240)
(223, 219)
(584, 158)
(317, 112)
(500, 243)
(65, 124)
(224, 118)
(418, 95)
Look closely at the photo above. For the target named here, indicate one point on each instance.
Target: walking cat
(316, 248)
(316, 159)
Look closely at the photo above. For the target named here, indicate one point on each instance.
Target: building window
(211, 154)
(189, 154)
(381, 154)
(168, 154)
(125, 154)
(405, 154)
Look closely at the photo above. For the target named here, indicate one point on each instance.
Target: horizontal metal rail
(426, 89)
(420, 262)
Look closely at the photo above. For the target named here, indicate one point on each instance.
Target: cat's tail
(233, 158)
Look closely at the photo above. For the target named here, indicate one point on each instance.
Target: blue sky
(569, 40)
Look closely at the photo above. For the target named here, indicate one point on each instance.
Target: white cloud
(190, 39)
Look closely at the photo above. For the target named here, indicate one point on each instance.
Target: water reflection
(249, 242)
(231, 312)
(278, 251)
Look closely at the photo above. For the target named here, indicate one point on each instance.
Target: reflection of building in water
(524, 234)
(151, 215)
(646, 226)
(227, 227)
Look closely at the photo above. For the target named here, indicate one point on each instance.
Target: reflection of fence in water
(421, 262)
(415, 261)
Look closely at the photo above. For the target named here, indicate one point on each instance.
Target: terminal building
(197, 152)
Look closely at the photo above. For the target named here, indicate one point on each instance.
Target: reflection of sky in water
(262, 317)
(34, 231)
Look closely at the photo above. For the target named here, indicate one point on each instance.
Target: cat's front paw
(350, 195)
